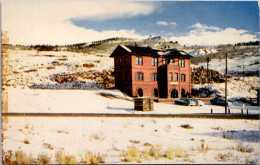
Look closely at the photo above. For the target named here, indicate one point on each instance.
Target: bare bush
(63, 158)
(91, 158)
(132, 154)
(43, 159)
(169, 154)
(243, 148)
(186, 126)
(19, 157)
(26, 141)
(155, 151)
(224, 157)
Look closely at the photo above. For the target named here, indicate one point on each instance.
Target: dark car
(188, 102)
(219, 101)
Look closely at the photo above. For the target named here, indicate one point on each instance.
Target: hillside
(87, 65)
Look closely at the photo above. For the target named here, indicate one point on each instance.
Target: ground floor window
(155, 92)
(140, 92)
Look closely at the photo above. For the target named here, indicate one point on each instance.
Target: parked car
(189, 102)
(220, 101)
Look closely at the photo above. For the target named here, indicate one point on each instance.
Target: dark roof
(142, 50)
(179, 53)
(148, 51)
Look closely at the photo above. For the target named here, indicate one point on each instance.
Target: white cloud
(163, 23)
(211, 35)
(48, 22)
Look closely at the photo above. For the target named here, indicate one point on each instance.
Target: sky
(188, 22)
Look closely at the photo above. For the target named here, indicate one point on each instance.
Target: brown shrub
(91, 158)
(43, 159)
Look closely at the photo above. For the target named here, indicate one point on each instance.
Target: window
(154, 61)
(126, 61)
(176, 77)
(126, 75)
(183, 77)
(119, 63)
(182, 63)
(139, 76)
(154, 77)
(163, 61)
(139, 60)
(171, 77)
(171, 61)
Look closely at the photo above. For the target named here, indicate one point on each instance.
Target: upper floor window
(126, 61)
(171, 61)
(176, 76)
(126, 75)
(119, 62)
(139, 76)
(164, 61)
(171, 77)
(182, 63)
(139, 60)
(154, 77)
(183, 77)
(154, 61)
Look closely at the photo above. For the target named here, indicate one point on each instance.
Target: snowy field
(116, 140)
(94, 101)
(137, 140)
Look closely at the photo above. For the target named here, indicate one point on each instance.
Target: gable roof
(148, 51)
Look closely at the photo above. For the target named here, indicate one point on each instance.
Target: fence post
(228, 110)
(211, 110)
(242, 111)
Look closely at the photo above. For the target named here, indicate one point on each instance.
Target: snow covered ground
(208, 141)
(92, 101)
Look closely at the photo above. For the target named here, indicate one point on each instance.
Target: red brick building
(143, 71)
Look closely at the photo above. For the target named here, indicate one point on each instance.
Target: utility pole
(226, 87)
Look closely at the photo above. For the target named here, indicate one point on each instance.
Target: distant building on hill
(155, 39)
(143, 71)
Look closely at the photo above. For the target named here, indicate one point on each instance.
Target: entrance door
(183, 93)
(174, 93)
(140, 92)
(155, 92)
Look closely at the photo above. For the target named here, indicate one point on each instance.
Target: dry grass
(62, 59)
(224, 157)
(147, 144)
(155, 151)
(134, 141)
(43, 159)
(91, 158)
(27, 126)
(132, 154)
(179, 152)
(169, 154)
(186, 126)
(241, 148)
(168, 128)
(63, 158)
(26, 141)
(88, 65)
(96, 137)
(63, 131)
(47, 146)
(19, 157)
(217, 128)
